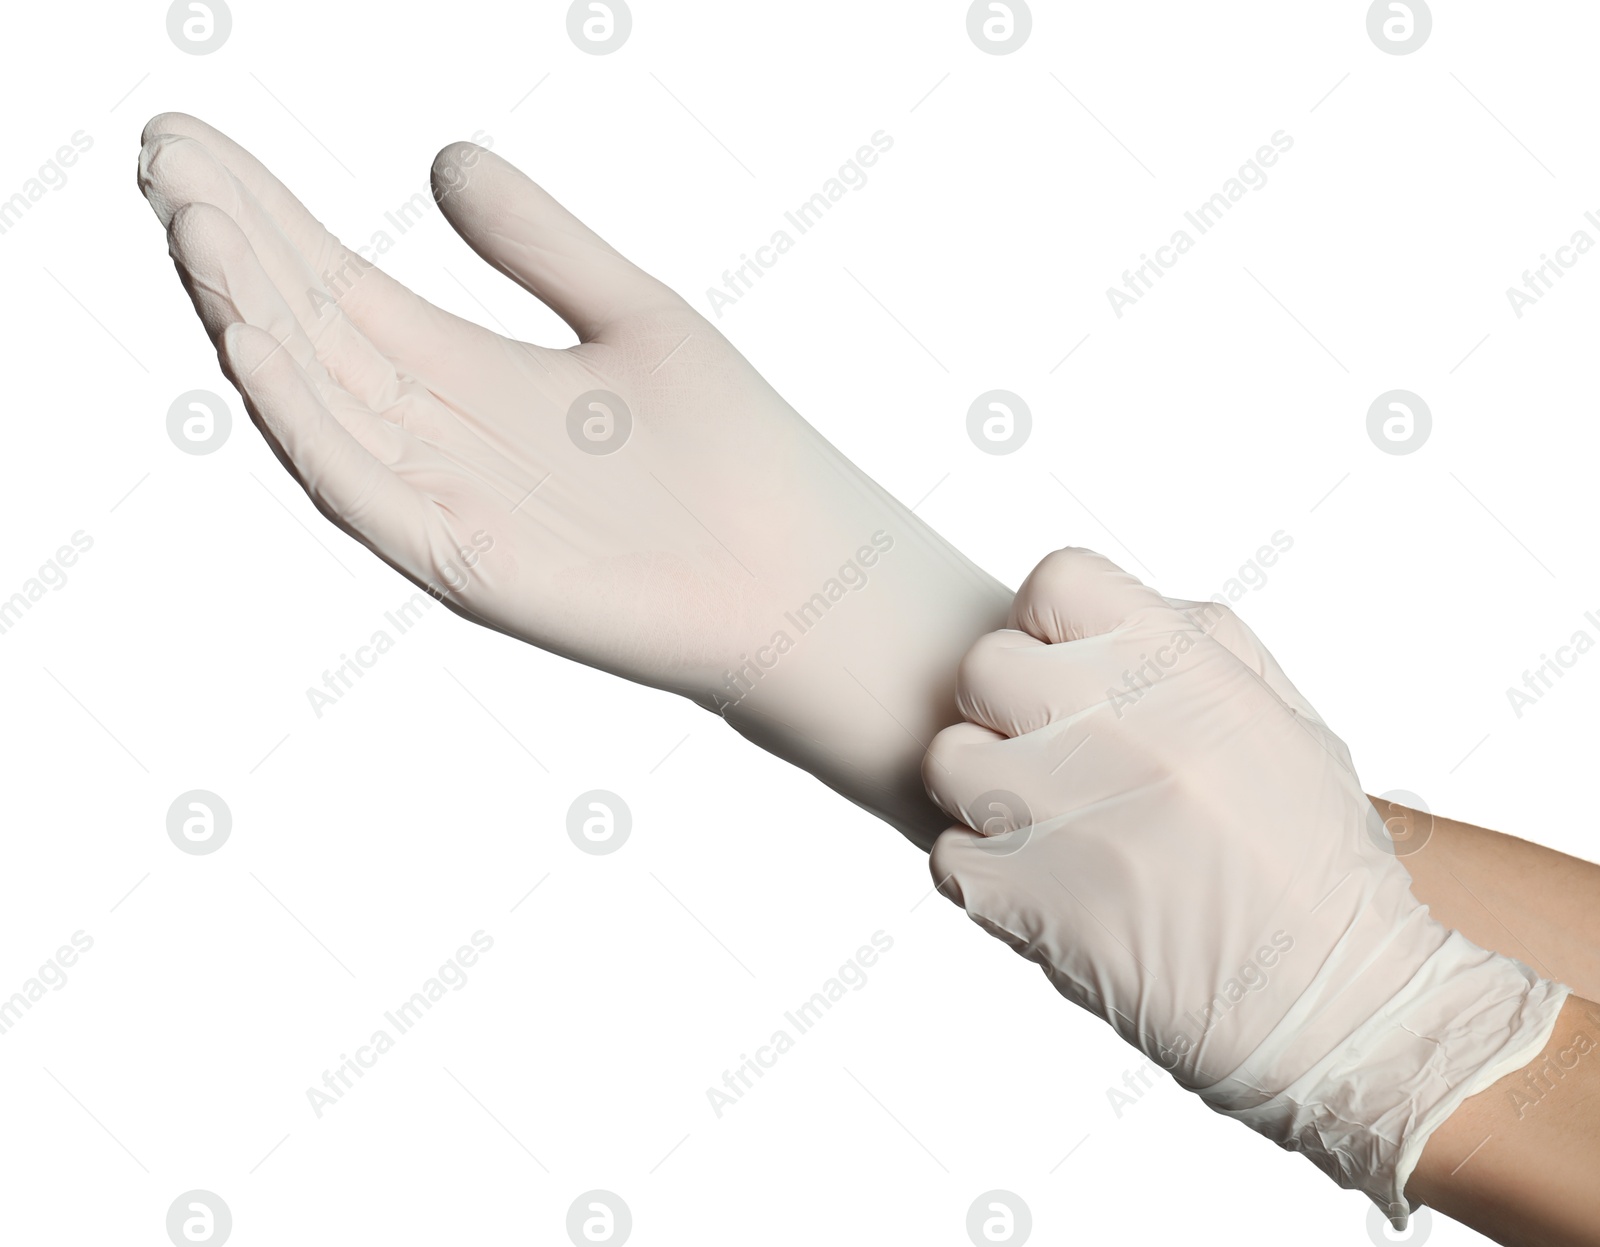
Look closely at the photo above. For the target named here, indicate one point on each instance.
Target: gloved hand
(696, 536)
(1192, 859)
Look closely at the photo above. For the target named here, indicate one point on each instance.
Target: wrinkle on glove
(1165, 825)
(719, 548)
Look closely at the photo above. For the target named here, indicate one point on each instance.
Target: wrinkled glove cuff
(1364, 1113)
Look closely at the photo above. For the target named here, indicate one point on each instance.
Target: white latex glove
(722, 550)
(1193, 860)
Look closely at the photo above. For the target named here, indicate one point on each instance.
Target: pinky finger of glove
(346, 481)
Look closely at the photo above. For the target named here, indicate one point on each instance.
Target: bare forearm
(1518, 1161)
(1511, 896)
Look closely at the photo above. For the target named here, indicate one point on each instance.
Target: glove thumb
(512, 222)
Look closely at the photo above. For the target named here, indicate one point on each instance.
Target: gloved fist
(1172, 834)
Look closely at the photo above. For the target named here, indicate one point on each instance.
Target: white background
(370, 843)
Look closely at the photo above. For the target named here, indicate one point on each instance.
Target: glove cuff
(1365, 1111)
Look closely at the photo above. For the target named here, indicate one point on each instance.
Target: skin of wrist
(1511, 896)
(1517, 1160)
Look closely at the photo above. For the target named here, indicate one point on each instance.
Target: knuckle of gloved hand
(936, 767)
(947, 762)
(981, 677)
(1054, 592)
(947, 861)
(1062, 575)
